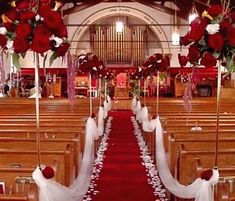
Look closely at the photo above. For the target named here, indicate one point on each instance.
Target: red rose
(12, 15)
(158, 56)
(48, 172)
(62, 49)
(183, 60)
(214, 10)
(22, 5)
(208, 60)
(41, 30)
(23, 30)
(193, 54)
(225, 26)
(207, 174)
(216, 41)
(197, 29)
(20, 45)
(3, 40)
(40, 44)
(27, 15)
(44, 11)
(162, 66)
(185, 40)
(93, 115)
(61, 31)
(52, 19)
(231, 37)
(45, 2)
(9, 26)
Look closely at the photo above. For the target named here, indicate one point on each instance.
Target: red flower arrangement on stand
(211, 38)
(90, 64)
(33, 25)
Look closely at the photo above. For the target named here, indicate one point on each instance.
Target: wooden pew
(187, 157)
(225, 172)
(196, 142)
(29, 157)
(14, 176)
(31, 195)
(46, 144)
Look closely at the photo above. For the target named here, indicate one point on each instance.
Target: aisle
(123, 177)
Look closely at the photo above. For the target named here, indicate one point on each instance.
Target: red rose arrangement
(211, 38)
(156, 62)
(34, 25)
(89, 63)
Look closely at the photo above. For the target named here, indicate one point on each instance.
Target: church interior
(122, 100)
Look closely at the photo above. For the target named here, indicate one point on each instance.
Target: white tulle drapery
(109, 103)
(50, 190)
(105, 109)
(142, 115)
(200, 189)
(137, 107)
(133, 103)
(101, 121)
(149, 126)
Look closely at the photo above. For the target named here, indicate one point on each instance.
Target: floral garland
(154, 179)
(33, 25)
(98, 163)
(211, 38)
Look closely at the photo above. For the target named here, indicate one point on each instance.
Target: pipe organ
(127, 47)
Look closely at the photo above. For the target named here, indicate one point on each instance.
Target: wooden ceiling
(183, 5)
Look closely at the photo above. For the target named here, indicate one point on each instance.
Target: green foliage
(15, 58)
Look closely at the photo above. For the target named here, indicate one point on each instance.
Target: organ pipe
(128, 46)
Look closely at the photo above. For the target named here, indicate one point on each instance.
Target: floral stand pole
(37, 109)
(100, 89)
(2, 74)
(217, 113)
(145, 91)
(90, 94)
(158, 80)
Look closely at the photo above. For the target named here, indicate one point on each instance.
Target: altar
(121, 88)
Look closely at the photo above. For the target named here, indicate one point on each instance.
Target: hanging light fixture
(119, 26)
(119, 23)
(193, 14)
(175, 37)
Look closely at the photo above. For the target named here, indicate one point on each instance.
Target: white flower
(38, 17)
(9, 44)
(212, 28)
(57, 40)
(3, 30)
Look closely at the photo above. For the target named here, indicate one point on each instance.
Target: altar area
(121, 89)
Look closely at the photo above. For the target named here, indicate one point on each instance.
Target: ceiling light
(193, 14)
(175, 38)
(119, 27)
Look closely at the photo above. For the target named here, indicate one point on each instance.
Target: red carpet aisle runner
(123, 176)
